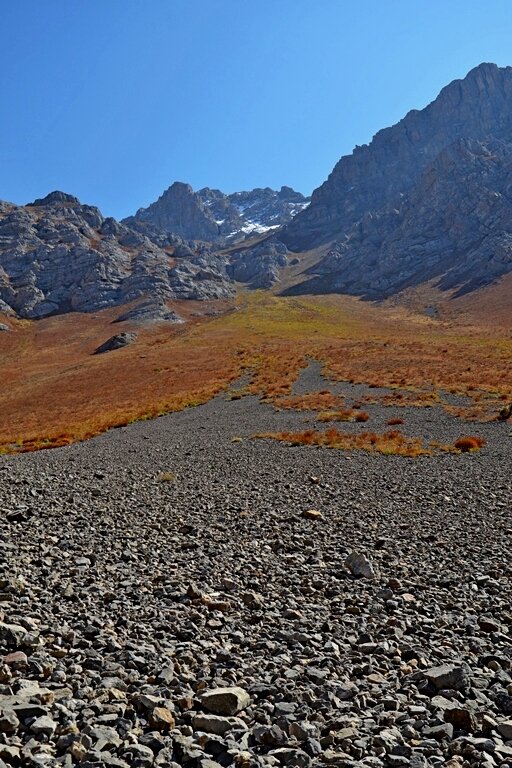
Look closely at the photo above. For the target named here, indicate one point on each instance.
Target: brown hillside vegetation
(389, 443)
(56, 391)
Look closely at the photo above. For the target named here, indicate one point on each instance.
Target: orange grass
(403, 399)
(348, 414)
(55, 391)
(469, 444)
(390, 443)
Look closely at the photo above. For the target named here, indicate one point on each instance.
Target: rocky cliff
(376, 175)
(428, 198)
(211, 215)
(57, 255)
(455, 225)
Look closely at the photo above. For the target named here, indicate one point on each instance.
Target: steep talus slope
(211, 215)
(455, 225)
(57, 255)
(376, 175)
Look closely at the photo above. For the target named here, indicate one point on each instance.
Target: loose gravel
(170, 596)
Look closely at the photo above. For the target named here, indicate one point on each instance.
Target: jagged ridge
(375, 176)
(211, 215)
(57, 255)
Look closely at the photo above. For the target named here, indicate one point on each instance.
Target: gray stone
(43, 725)
(116, 342)
(505, 729)
(217, 724)
(8, 722)
(359, 565)
(225, 701)
(447, 676)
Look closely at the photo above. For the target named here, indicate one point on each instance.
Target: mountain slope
(211, 215)
(455, 225)
(57, 255)
(376, 175)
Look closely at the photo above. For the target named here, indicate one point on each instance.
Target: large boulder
(118, 341)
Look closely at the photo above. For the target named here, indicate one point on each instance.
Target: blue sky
(113, 100)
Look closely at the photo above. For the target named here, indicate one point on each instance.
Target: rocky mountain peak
(375, 175)
(181, 211)
(55, 197)
(212, 215)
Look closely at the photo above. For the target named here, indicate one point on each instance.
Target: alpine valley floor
(155, 562)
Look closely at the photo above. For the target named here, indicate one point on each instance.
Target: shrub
(469, 444)
(394, 422)
(166, 477)
(345, 415)
(505, 413)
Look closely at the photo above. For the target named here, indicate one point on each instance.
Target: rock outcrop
(57, 255)
(150, 311)
(213, 216)
(118, 341)
(377, 175)
(260, 266)
(454, 225)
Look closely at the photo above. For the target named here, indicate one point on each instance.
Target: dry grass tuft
(505, 413)
(469, 444)
(348, 414)
(389, 443)
(166, 477)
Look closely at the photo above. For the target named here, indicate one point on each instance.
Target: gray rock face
(149, 312)
(259, 266)
(116, 342)
(225, 701)
(211, 215)
(376, 175)
(454, 225)
(57, 255)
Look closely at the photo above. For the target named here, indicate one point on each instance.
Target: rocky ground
(148, 568)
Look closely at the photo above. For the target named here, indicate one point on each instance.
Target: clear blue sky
(112, 100)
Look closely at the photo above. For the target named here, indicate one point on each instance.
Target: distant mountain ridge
(428, 200)
(211, 215)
